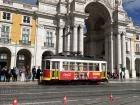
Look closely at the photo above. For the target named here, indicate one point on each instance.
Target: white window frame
(29, 32)
(26, 20)
(6, 19)
(52, 41)
(5, 24)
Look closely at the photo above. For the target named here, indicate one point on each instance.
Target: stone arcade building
(95, 28)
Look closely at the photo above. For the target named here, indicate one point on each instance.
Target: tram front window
(47, 64)
(55, 65)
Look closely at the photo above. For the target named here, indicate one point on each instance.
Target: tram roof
(74, 58)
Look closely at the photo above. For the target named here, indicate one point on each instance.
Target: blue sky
(133, 9)
(131, 6)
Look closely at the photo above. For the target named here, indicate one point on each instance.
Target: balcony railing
(24, 42)
(137, 53)
(48, 44)
(5, 41)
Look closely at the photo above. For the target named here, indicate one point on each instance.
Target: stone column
(124, 56)
(13, 60)
(123, 51)
(68, 40)
(119, 52)
(60, 42)
(32, 62)
(111, 52)
(81, 40)
(75, 38)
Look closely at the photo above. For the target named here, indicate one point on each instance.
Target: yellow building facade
(17, 38)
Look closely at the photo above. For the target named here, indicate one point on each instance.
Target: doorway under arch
(128, 67)
(137, 67)
(5, 57)
(97, 42)
(24, 59)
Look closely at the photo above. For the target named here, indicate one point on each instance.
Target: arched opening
(46, 54)
(128, 67)
(5, 57)
(23, 59)
(97, 31)
(137, 67)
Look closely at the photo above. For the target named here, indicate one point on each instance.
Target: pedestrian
(33, 73)
(23, 70)
(8, 74)
(3, 74)
(38, 74)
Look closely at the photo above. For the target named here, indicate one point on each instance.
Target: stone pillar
(75, 38)
(119, 52)
(124, 56)
(60, 42)
(123, 51)
(111, 53)
(13, 60)
(106, 49)
(81, 40)
(32, 62)
(68, 40)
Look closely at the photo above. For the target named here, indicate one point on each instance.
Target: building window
(6, 15)
(137, 37)
(126, 46)
(49, 39)
(21, 57)
(137, 48)
(3, 56)
(25, 35)
(5, 30)
(26, 19)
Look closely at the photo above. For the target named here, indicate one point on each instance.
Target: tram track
(35, 97)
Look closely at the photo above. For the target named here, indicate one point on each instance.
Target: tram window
(72, 66)
(77, 67)
(81, 67)
(91, 67)
(96, 67)
(47, 64)
(65, 65)
(103, 67)
(85, 66)
(55, 65)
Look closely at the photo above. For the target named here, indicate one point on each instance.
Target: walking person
(33, 73)
(38, 74)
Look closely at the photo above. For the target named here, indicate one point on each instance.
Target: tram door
(55, 69)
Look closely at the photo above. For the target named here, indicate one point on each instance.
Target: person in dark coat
(33, 73)
(38, 74)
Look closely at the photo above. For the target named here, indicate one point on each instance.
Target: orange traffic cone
(110, 97)
(15, 101)
(65, 100)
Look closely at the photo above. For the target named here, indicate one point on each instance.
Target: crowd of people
(22, 74)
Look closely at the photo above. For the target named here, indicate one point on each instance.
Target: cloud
(131, 4)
